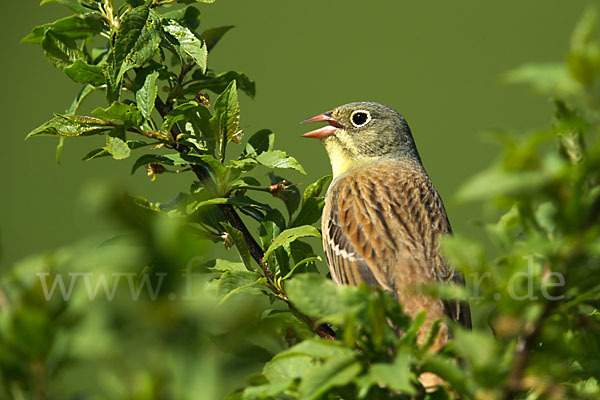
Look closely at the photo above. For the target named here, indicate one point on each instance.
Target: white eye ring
(368, 114)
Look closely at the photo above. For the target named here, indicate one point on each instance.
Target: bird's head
(362, 132)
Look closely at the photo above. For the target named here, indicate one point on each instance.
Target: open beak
(325, 131)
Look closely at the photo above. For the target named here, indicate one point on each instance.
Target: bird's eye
(360, 118)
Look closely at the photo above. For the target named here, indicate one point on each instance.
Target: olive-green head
(362, 132)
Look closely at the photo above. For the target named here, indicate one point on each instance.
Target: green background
(437, 62)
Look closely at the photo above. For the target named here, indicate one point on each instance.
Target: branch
(256, 251)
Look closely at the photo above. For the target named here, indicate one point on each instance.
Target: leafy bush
(145, 315)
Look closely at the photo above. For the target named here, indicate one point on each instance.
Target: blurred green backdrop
(438, 63)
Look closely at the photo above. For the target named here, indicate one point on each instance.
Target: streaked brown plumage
(383, 218)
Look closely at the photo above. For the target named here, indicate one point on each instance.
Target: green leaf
(61, 50)
(279, 159)
(196, 118)
(395, 376)
(127, 113)
(289, 235)
(85, 92)
(261, 141)
(188, 17)
(334, 372)
(312, 203)
(135, 3)
(117, 147)
(495, 182)
(71, 5)
(59, 148)
(280, 372)
(226, 118)
(145, 96)
(265, 391)
(310, 212)
(584, 56)
(103, 152)
(168, 159)
(74, 27)
(316, 296)
(188, 44)
(317, 349)
(548, 78)
(136, 41)
(82, 72)
(232, 282)
(218, 83)
(316, 188)
(240, 244)
(220, 265)
(194, 1)
(71, 125)
(212, 36)
(300, 263)
(477, 348)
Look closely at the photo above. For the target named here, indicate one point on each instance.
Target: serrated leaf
(218, 83)
(62, 51)
(117, 147)
(188, 17)
(145, 96)
(212, 36)
(82, 72)
(279, 159)
(289, 235)
(233, 282)
(188, 44)
(136, 41)
(127, 113)
(71, 125)
(225, 120)
(74, 27)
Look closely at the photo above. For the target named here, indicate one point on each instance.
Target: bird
(383, 219)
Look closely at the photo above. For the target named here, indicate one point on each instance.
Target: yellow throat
(340, 160)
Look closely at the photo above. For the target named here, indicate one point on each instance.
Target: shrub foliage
(145, 315)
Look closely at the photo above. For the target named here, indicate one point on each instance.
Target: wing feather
(381, 226)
